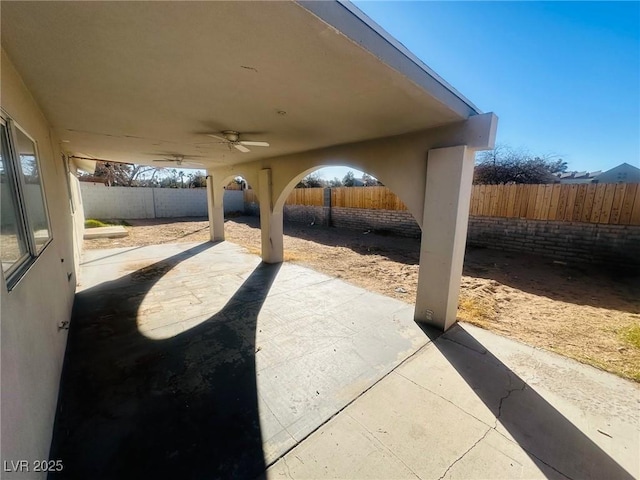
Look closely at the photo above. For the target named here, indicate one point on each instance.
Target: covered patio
(267, 90)
(203, 361)
(200, 361)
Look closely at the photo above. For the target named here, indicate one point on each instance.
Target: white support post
(215, 208)
(270, 222)
(444, 234)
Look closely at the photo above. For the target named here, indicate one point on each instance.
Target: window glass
(12, 244)
(33, 195)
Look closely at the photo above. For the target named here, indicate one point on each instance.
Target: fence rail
(604, 203)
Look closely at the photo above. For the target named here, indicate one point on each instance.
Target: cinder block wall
(233, 201)
(104, 202)
(615, 245)
(179, 202)
(306, 214)
(394, 221)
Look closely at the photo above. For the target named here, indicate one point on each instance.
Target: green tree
(349, 179)
(336, 182)
(312, 180)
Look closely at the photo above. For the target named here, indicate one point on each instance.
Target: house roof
(136, 81)
(622, 173)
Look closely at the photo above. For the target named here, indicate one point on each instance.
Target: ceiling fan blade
(254, 144)
(225, 140)
(242, 148)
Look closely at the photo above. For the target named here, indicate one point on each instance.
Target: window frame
(17, 188)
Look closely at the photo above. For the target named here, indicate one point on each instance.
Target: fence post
(326, 207)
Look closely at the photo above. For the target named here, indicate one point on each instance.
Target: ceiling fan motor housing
(231, 135)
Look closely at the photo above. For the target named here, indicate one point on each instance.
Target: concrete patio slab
(199, 361)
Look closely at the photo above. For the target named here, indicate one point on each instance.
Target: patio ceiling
(135, 81)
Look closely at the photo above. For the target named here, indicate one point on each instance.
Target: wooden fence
(306, 196)
(299, 196)
(370, 198)
(605, 203)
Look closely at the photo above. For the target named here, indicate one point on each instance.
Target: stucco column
(270, 221)
(444, 234)
(215, 208)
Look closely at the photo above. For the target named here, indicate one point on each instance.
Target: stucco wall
(32, 345)
(122, 203)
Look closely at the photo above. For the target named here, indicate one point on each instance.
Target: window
(24, 221)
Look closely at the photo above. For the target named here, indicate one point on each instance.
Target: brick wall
(616, 245)
(307, 214)
(394, 221)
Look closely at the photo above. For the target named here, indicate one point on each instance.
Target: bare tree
(119, 174)
(504, 165)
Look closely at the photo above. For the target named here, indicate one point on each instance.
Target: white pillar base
(444, 235)
(215, 208)
(270, 222)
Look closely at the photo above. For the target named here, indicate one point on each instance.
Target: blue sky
(563, 77)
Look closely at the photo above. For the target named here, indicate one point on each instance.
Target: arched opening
(346, 223)
(228, 196)
(335, 175)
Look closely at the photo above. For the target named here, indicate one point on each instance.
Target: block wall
(104, 202)
(614, 245)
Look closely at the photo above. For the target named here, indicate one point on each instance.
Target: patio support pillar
(444, 234)
(270, 221)
(215, 207)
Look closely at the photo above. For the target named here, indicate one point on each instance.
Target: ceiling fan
(178, 160)
(232, 138)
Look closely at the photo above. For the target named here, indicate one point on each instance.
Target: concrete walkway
(474, 405)
(114, 231)
(198, 361)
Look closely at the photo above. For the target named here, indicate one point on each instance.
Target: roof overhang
(136, 81)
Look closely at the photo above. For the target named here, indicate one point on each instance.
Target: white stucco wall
(32, 345)
(103, 202)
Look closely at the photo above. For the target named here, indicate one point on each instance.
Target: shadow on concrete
(547, 436)
(185, 407)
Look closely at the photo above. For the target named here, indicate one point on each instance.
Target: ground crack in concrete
(284, 459)
(502, 400)
(465, 453)
(531, 454)
(468, 347)
(505, 397)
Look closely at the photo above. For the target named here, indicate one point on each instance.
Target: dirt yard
(576, 310)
